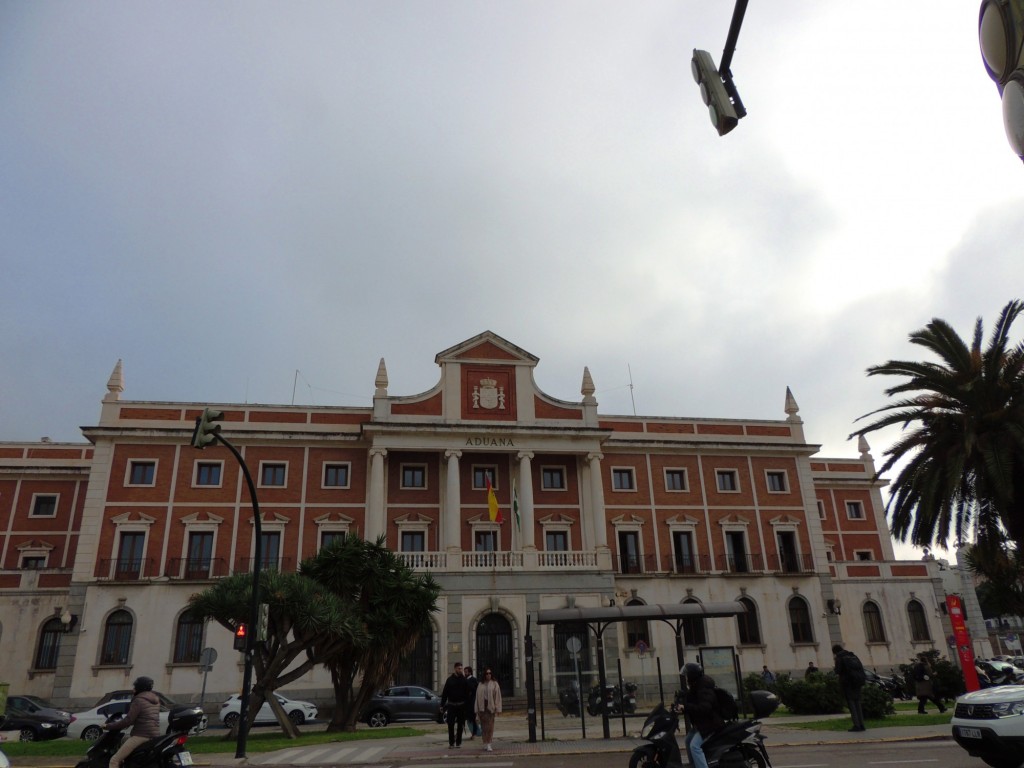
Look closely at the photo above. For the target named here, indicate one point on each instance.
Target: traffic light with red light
(241, 637)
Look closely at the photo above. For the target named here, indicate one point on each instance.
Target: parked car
(298, 711)
(126, 694)
(36, 706)
(88, 725)
(988, 724)
(33, 727)
(402, 702)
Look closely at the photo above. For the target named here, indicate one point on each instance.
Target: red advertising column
(963, 642)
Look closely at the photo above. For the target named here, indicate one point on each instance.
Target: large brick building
(102, 543)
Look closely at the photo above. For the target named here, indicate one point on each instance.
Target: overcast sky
(226, 193)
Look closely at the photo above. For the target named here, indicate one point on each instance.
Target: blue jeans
(693, 746)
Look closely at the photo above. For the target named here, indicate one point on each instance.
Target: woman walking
(488, 704)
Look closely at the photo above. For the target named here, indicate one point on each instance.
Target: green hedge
(819, 694)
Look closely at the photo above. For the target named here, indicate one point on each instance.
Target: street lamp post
(1001, 37)
(207, 432)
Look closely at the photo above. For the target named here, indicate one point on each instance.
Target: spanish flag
(492, 503)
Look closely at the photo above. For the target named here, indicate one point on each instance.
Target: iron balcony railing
(125, 569)
(196, 569)
(791, 563)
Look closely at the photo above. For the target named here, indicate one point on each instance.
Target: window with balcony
(629, 552)
(874, 629)
(273, 474)
(188, 639)
(683, 552)
(727, 480)
(336, 475)
(199, 555)
(738, 561)
(130, 550)
(270, 550)
(142, 473)
(789, 557)
(208, 473)
(117, 638)
(556, 541)
(623, 479)
(414, 476)
(800, 627)
(919, 632)
(776, 481)
(675, 479)
(44, 505)
(414, 541)
(485, 540)
(552, 478)
(49, 644)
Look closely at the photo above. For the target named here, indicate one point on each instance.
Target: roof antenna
(295, 383)
(631, 388)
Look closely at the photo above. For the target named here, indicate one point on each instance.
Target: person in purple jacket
(143, 716)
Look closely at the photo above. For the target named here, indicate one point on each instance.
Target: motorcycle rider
(143, 716)
(699, 706)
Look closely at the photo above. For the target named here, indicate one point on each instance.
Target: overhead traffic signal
(1001, 37)
(713, 91)
(241, 637)
(206, 430)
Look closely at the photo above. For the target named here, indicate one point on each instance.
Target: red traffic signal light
(241, 637)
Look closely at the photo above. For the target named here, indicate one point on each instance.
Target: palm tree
(963, 437)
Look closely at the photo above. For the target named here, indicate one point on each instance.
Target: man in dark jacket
(851, 686)
(454, 699)
(699, 707)
(143, 716)
(923, 687)
(472, 683)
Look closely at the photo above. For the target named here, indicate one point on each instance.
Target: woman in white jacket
(488, 704)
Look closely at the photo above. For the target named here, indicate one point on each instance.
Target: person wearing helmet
(698, 705)
(143, 716)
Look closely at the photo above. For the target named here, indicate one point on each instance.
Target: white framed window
(623, 479)
(413, 541)
(675, 480)
(273, 474)
(552, 478)
(854, 510)
(777, 481)
(414, 476)
(32, 562)
(329, 536)
(480, 474)
(337, 475)
(44, 505)
(863, 554)
(821, 509)
(208, 474)
(331, 528)
(727, 480)
(141, 472)
(34, 555)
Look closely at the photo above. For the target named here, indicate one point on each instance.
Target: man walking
(851, 680)
(471, 683)
(454, 697)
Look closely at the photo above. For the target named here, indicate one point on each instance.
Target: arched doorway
(494, 650)
(417, 668)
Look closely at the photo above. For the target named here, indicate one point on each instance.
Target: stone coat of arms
(488, 395)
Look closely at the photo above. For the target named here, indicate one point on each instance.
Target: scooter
(167, 751)
(738, 744)
(613, 700)
(569, 702)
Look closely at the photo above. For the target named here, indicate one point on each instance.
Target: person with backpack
(851, 679)
(923, 687)
(700, 705)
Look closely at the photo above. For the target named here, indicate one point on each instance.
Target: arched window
(747, 623)
(188, 639)
(800, 620)
(694, 629)
(49, 644)
(117, 638)
(874, 630)
(637, 629)
(918, 623)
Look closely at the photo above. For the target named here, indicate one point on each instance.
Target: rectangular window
(44, 506)
(863, 554)
(727, 480)
(821, 509)
(327, 538)
(675, 479)
(552, 478)
(200, 554)
(142, 473)
(629, 552)
(736, 552)
(485, 541)
(273, 474)
(270, 550)
(414, 476)
(208, 473)
(556, 541)
(776, 481)
(336, 475)
(129, 555)
(854, 510)
(33, 563)
(682, 548)
(480, 474)
(414, 541)
(622, 480)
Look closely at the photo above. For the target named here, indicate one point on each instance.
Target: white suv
(990, 724)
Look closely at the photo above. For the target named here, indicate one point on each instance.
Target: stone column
(526, 499)
(375, 518)
(452, 504)
(597, 500)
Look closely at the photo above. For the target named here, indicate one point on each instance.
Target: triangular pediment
(486, 347)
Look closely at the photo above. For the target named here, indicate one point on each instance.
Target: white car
(990, 724)
(88, 725)
(298, 711)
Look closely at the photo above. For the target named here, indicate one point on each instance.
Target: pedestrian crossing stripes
(330, 754)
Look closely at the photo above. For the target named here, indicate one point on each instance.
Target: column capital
(527, 455)
(378, 452)
(592, 457)
(453, 453)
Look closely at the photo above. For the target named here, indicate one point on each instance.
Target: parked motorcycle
(612, 700)
(738, 744)
(894, 685)
(167, 751)
(569, 702)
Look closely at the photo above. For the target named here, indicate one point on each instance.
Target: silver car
(402, 702)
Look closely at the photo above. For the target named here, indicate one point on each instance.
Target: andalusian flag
(515, 506)
(492, 503)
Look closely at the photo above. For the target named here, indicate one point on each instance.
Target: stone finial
(792, 409)
(381, 382)
(863, 447)
(587, 388)
(115, 384)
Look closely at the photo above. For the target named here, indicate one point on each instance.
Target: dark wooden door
(494, 650)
